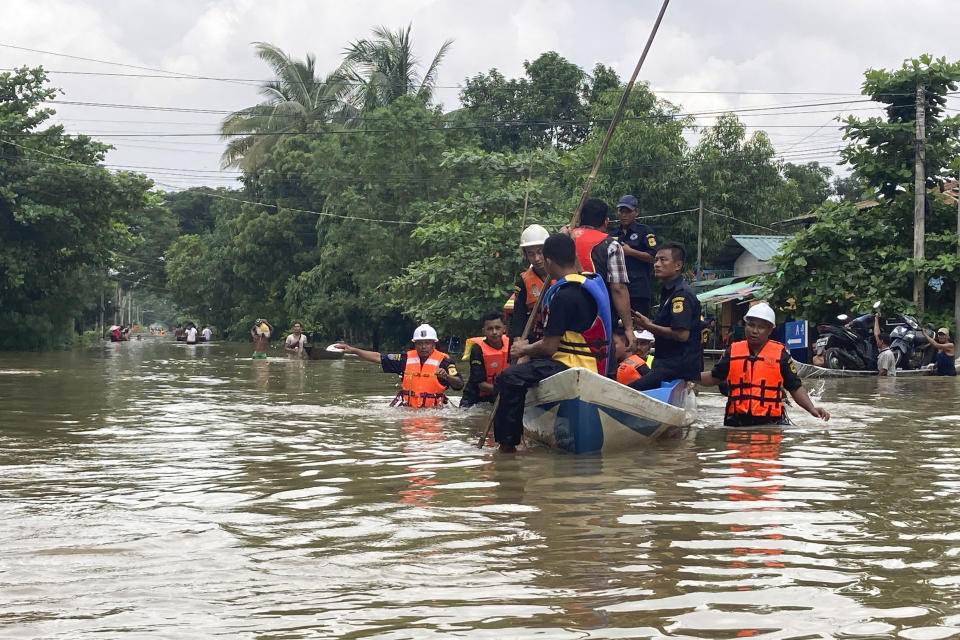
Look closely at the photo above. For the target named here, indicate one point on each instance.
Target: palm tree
(384, 69)
(294, 100)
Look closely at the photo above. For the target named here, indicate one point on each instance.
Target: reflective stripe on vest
(629, 369)
(586, 240)
(419, 385)
(494, 361)
(591, 348)
(756, 384)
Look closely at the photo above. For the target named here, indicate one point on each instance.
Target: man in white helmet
(757, 370)
(529, 283)
(425, 371)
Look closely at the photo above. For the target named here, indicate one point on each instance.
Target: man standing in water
(260, 331)
(425, 372)
(946, 352)
(676, 326)
(639, 244)
(296, 342)
(576, 333)
(488, 359)
(757, 371)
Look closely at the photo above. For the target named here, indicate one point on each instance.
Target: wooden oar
(586, 190)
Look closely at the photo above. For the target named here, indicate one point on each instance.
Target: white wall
(748, 265)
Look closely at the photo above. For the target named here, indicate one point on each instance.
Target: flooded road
(150, 489)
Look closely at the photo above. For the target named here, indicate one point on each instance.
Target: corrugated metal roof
(762, 247)
(735, 291)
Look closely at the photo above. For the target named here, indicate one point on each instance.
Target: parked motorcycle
(849, 344)
(909, 345)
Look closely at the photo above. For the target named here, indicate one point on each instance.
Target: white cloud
(772, 47)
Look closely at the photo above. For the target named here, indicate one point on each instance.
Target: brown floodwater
(150, 489)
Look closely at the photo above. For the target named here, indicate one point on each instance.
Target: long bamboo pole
(586, 190)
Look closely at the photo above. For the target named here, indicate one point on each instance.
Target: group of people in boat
(596, 314)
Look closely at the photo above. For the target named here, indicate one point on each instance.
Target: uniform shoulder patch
(651, 240)
(393, 356)
(452, 370)
(677, 305)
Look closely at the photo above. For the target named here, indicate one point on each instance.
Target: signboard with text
(796, 334)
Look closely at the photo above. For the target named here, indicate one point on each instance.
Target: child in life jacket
(632, 365)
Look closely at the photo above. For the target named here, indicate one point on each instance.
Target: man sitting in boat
(576, 333)
(426, 372)
(632, 366)
(676, 325)
(527, 288)
(757, 370)
(488, 358)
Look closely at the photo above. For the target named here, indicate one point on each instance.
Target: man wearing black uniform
(571, 309)
(676, 325)
(639, 244)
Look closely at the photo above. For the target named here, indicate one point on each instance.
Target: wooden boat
(805, 370)
(580, 411)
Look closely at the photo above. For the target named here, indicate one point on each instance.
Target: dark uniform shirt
(679, 309)
(791, 382)
(642, 238)
(478, 374)
(397, 362)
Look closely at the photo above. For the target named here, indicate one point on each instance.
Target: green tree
(881, 151)
(550, 106)
(384, 68)
(64, 218)
(470, 238)
(851, 257)
(296, 98)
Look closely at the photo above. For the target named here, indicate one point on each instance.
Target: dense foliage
(851, 257)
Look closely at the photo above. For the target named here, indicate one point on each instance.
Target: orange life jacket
(756, 384)
(494, 361)
(629, 369)
(419, 386)
(586, 240)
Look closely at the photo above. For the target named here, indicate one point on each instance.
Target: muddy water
(149, 489)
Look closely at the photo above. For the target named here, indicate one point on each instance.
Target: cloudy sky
(708, 55)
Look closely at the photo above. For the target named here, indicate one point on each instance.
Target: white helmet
(644, 335)
(533, 236)
(424, 332)
(762, 311)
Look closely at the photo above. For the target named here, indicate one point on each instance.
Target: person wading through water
(756, 372)
(425, 372)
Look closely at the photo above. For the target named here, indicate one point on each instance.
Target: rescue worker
(488, 358)
(756, 371)
(633, 366)
(527, 288)
(676, 325)
(603, 255)
(639, 243)
(425, 372)
(576, 333)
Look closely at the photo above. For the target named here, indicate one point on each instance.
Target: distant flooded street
(151, 489)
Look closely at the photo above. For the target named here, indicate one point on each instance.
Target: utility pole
(919, 193)
(700, 242)
(956, 280)
(118, 307)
